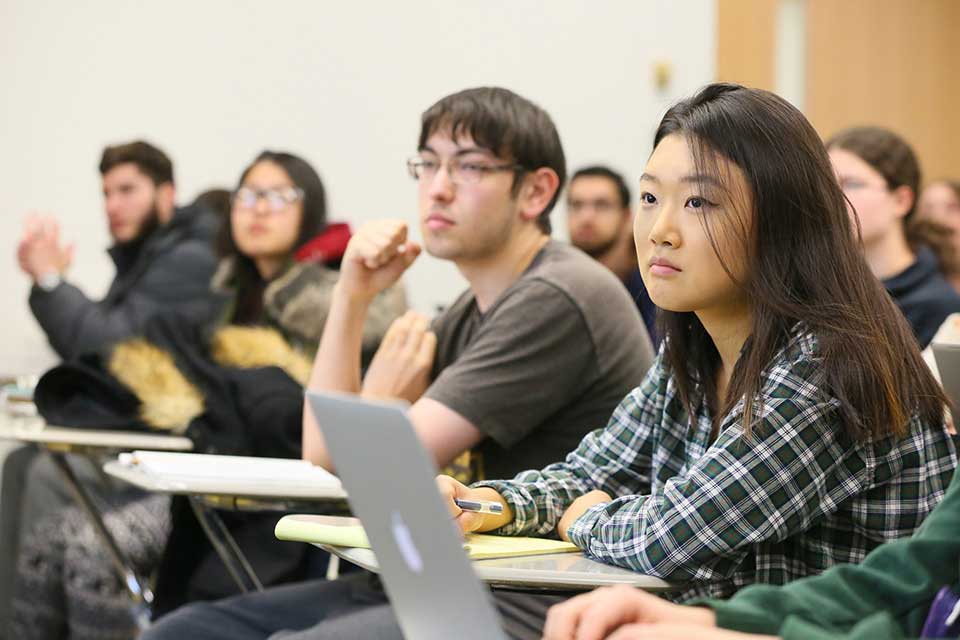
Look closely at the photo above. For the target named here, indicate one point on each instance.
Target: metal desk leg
(138, 590)
(226, 547)
(333, 567)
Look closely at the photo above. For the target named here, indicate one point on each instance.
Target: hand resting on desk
(471, 521)
(577, 508)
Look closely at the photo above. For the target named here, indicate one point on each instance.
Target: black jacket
(254, 411)
(924, 295)
(170, 270)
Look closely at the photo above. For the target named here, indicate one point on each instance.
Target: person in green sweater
(888, 595)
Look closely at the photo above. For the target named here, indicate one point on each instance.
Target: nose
(111, 204)
(261, 207)
(441, 186)
(585, 213)
(663, 230)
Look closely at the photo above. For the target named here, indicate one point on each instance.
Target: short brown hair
(151, 161)
(507, 124)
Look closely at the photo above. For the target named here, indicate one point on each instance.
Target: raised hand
(376, 257)
(40, 251)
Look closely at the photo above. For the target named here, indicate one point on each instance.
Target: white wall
(215, 81)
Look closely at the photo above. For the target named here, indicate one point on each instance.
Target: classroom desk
(208, 495)
(558, 572)
(93, 444)
(84, 441)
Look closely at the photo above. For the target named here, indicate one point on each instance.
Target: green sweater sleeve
(886, 596)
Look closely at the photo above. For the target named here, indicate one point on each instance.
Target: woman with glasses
(279, 260)
(279, 256)
(880, 177)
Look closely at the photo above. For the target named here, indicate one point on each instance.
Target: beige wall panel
(893, 63)
(745, 42)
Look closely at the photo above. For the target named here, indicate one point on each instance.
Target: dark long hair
(313, 221)
(805, 265)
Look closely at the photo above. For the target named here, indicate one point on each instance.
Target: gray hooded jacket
(171, 269)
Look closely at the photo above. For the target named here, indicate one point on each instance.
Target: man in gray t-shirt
(535, 354)
(543, 365)
(545, 342)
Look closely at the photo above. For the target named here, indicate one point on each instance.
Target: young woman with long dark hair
(789, 423)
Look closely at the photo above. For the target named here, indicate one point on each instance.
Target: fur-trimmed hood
(169, 400)
(296, 303)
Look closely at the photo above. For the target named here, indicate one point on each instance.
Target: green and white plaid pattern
(793, 499)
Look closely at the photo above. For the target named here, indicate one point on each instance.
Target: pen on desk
(479, 506)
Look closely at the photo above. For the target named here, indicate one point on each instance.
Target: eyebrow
(696, 178)
(461, 151)
(274, 187)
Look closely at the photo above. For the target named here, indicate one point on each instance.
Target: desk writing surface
(14, 422)
(190, 485)
(105, 439)
(561, 571)
(572, 571)
(34, 430)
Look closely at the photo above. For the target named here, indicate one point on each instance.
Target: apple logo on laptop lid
(404, 540)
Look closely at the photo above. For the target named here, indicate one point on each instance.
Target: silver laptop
(389, 479)
(948, 364)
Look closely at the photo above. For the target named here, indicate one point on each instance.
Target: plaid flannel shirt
(790, 501)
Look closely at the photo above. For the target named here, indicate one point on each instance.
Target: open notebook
(248, 469)
(316, 530)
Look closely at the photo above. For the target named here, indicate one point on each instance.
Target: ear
(628, 219)
(538, 189)
(166, 197)
(903, 198)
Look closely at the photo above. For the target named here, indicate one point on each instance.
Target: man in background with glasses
(163, 256)
(535, 354)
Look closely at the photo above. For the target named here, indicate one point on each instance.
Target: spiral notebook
(173, 466)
